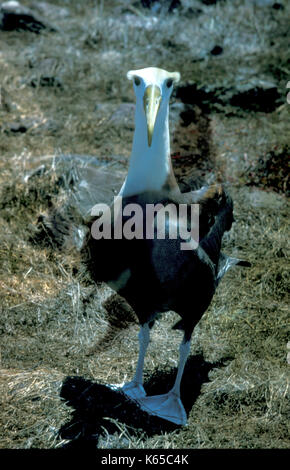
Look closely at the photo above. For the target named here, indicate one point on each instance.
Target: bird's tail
(226, 262)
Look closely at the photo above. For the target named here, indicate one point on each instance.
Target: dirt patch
(272, 171)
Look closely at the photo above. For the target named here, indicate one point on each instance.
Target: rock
(253, 95)
(278, 6)
(31, 124)
(216, 50)
(258, 98)
(16, 17)
(192, 94)
(46, 81)
(16, 128)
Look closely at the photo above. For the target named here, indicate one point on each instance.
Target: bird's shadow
(98, 408)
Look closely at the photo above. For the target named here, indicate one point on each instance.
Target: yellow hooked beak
(151, 103)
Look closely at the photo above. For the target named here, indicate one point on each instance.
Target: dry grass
(53, 320)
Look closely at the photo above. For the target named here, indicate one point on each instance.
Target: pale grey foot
(167, 406)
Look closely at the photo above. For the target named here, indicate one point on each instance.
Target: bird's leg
(169, 405)
(184, 350)
(135, 389)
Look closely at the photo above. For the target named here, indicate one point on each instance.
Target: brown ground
(65, 92)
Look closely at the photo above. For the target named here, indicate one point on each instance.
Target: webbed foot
(167, 406)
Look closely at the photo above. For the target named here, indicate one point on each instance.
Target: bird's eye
(137, 81)
(169, 83)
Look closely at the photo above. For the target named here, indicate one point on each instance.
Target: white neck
(149, 167)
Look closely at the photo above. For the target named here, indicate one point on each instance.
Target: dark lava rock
(31, 124)
(17, 128)
(257, 96)
(46, 81)
(257, 99)
(15, 17)
(192, 94)
(278, 6)
(216, 50)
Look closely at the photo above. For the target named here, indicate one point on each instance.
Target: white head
(153, 88)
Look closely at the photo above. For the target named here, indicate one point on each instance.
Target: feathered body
(156, 275)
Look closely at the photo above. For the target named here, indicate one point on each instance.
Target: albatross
(153, 273)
